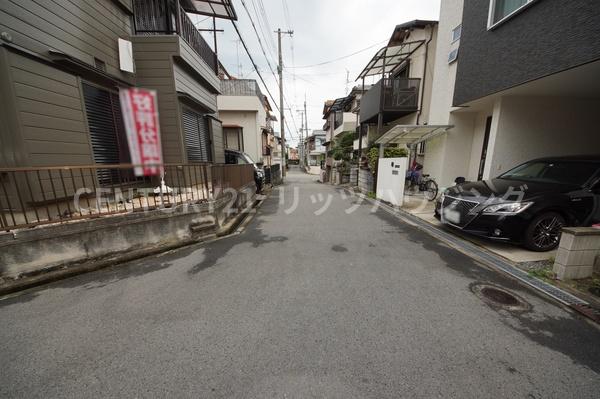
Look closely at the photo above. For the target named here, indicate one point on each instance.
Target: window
(559, 172)
(234, 138)
(456, 32)
(107, 131)
(197, 136)
(501, 10)
(453, 56)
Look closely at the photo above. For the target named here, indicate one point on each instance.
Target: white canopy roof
(412, 134)
(212, 8)
(389, 57)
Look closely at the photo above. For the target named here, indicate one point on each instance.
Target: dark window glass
(503, 8)
(561, 172)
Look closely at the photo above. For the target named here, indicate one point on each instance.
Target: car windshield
(246, 158)
(558, 172)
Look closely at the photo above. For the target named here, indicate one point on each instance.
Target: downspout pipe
(424, 74)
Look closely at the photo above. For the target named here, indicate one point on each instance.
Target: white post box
(391, 177)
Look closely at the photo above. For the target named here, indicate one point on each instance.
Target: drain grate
(499, 297)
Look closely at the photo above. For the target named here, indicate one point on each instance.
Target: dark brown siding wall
(154, 69)
(184, 82)
(163, 63)
(49, 113)
(548, 37)
(84, 29)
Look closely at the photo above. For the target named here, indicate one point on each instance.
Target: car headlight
(507, 208)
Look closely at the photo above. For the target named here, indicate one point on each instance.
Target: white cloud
(323, 30)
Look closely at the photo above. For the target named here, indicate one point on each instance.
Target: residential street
(299, 305)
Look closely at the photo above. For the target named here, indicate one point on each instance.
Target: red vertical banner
(140, 114)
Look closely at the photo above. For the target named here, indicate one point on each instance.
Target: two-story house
(395, 109)
(315, 150)
(63, 63)
(247, 119)
(517, 80)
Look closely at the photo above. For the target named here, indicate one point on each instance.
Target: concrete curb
(63, 272)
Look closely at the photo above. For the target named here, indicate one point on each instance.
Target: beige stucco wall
(349, 124)
(458, 152)
(444, 78)
(248, 112)
(531, 127)
(417, 66)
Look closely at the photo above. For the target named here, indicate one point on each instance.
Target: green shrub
(390, 152)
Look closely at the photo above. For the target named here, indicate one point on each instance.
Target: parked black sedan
(528, 205)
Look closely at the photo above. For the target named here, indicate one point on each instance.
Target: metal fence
(46, 195)
(227, 177)
(165, 17)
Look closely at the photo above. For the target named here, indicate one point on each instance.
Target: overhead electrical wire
(254, 64)
(340, 58)
(269, 64)
(259, 39)
(265, 28)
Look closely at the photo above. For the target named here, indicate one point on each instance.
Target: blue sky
(323, 31)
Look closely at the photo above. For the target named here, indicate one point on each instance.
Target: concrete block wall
(353, 176)
(366, 182)
(578, 253)
(31, 251)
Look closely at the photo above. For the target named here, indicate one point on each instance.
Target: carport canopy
(410, 135)
(212, 8)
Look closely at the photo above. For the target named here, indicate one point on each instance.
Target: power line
(269, 64)
(340, 58)
(265, 17)
(265, 30)
(254, 63)
(286, 13)
(258, 37)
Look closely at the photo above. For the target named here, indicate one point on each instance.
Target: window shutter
(107, 132)
(197, 136)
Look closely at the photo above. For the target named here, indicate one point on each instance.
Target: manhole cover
(499, 297)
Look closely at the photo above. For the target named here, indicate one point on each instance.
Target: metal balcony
(166, 17)
(393, 97)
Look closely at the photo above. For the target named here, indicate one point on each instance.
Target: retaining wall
(30, 251)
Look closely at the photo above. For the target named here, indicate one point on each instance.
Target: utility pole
(347, 80)
(305, 119)
(301, 148)
(281, 109)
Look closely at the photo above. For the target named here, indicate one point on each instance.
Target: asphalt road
(299, 305)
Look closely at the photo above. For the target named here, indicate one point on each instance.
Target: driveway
(299, 305)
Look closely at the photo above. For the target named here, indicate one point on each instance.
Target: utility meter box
(391, 177)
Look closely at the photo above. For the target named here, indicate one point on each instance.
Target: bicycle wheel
(431, 190)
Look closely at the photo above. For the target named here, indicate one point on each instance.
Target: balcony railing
(400, 96)
(241, 87)
(165, 17)
(36, 196)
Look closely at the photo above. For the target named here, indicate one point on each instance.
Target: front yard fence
(47, 195)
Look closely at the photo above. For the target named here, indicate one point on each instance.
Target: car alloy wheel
(544, 232)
